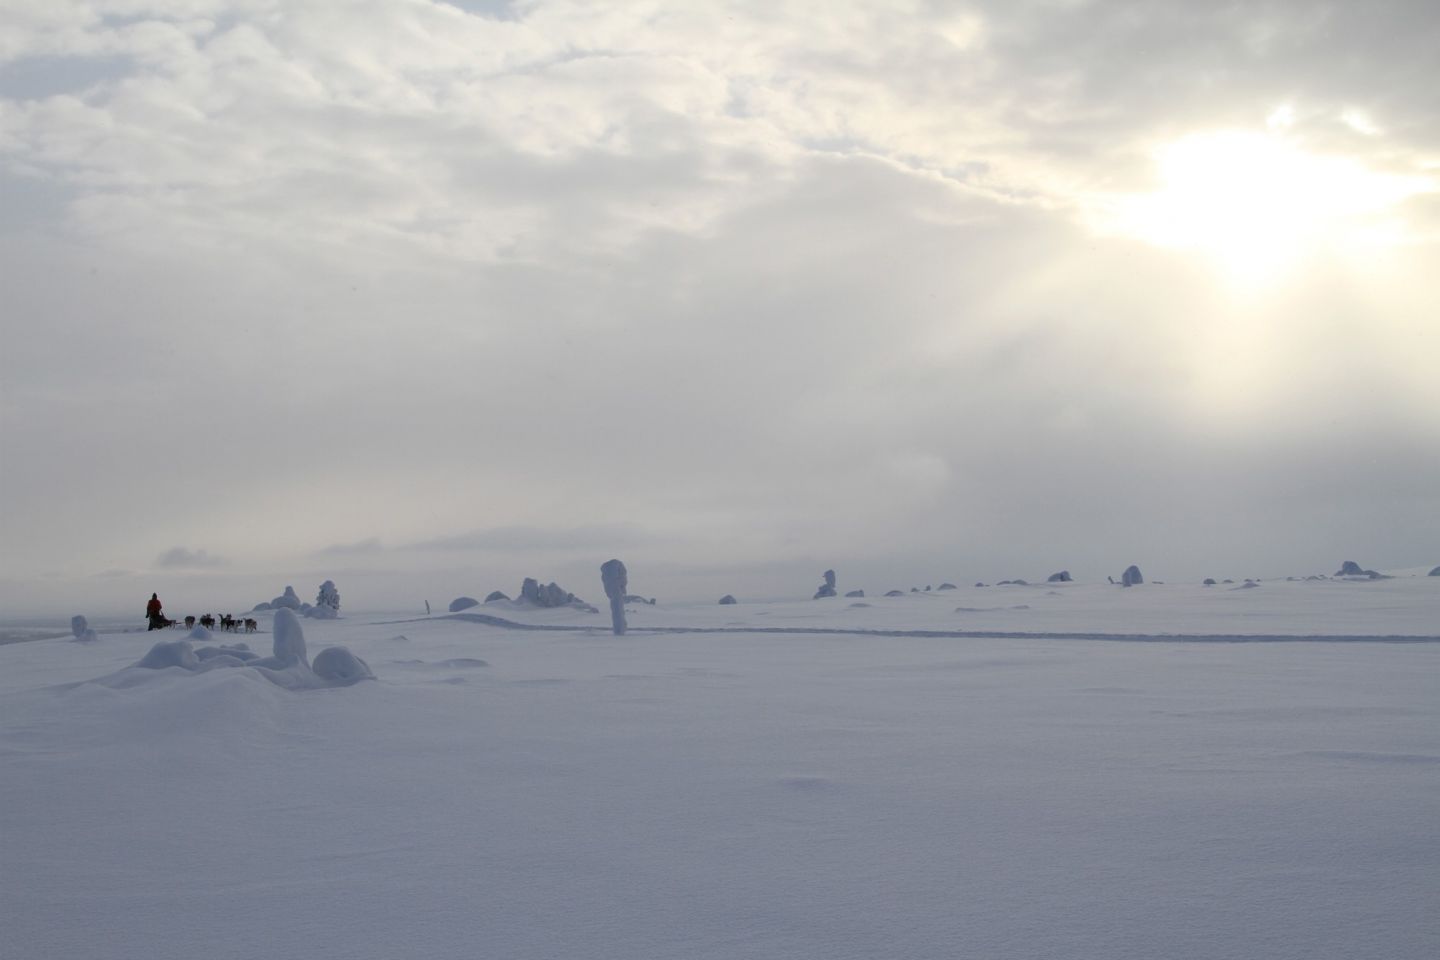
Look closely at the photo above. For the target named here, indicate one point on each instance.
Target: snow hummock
(170, 653)
(80, 627)
(287, 666)
(289, 600)
(339, 667)
(614, 579)
(463, 603)
(826, 589)
(1131, 577)
(289, 638)
(550, 595)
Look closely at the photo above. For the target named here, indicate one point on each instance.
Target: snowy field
(755, 791)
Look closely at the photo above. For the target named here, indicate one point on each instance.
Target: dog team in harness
(155, 613)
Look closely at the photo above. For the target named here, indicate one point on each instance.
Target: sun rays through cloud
(1259, 205)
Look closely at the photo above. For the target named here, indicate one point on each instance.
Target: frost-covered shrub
(551, 595)
(289, 600)
(827, 589)
(328, 596)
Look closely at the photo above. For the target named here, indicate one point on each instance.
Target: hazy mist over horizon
(429, 297)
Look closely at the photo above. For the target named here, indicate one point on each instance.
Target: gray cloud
(182, 558)
(609, 536)
(370, 545)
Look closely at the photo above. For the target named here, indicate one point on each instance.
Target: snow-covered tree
(327, 602)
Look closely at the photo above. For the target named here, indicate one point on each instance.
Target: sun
(1258, 205)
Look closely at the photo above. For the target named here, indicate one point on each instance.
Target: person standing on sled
(154, 612)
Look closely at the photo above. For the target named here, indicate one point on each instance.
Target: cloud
(370, 545)
(181, 558)
(524, 539)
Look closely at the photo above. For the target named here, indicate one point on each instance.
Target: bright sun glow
(1258, 205)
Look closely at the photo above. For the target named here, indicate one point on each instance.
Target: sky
(429, 297)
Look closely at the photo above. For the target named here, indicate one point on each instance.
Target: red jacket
(152, 609)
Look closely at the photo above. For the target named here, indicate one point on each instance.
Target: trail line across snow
(503, 623)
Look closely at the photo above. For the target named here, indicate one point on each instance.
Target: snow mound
(726, 600)
(1131, 576)
(170, 653)
(289, 638)
(493, 596)
(827, 589)
(614, 579)
(1435, 572)
(855, 593)
(81, 628)
(237, 651)
(339, 667)
(289, 600)
(1062, 577)
(1352, 569)
(465, 603)
(551, 595)
(287, 666)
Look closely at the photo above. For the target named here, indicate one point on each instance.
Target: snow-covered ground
(748, 792)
